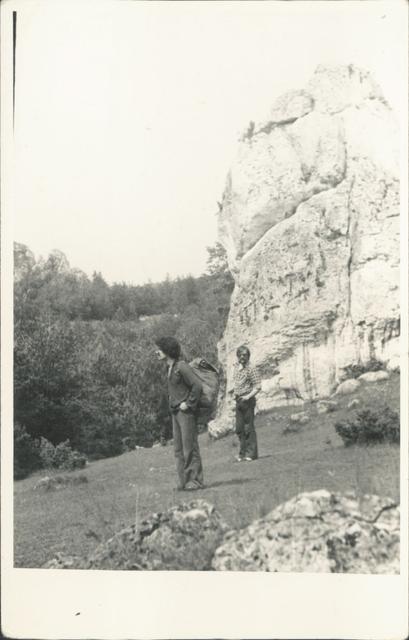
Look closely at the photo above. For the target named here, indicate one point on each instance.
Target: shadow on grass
(228, 482)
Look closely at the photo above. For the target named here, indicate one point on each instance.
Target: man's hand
(183, 406)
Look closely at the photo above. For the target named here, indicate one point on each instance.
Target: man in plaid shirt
(246, 387)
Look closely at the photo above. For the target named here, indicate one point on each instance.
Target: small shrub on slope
(370, 427)
(60, 457)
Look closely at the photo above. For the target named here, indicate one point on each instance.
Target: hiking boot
(247, 459)
(238, 459)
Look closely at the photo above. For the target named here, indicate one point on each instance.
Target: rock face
(318, 532)
(310, 222)
(182, 538)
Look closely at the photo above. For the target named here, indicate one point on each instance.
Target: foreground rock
(374, 376)
(310, 222)
(182, 538)
(347, 387)
(313, 532)
(55, 483)
(318, 532)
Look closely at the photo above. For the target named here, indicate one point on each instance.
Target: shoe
(247, 459)
(238, 459)
(192, 486)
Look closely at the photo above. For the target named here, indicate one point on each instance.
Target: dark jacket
(183, 386)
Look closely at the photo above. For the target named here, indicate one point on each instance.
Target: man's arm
(195, 385)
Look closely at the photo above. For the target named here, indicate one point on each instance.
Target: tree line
(85, 373)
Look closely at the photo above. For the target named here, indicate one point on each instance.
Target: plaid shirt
(245, 379)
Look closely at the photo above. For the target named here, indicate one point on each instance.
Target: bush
(60, 457)
(46, 450)
(26, 453)
(356, 370)
(67, 458)
(370, 427)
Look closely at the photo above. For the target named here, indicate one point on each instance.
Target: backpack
(209, 377)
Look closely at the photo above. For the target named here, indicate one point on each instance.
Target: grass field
(75, 519)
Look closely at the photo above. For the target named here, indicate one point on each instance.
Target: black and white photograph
(204, 280)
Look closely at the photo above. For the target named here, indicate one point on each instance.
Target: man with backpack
(185, 390)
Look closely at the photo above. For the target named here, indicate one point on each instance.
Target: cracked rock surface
(182, 538)
(318, 532)
(315, 532)
(310, 222)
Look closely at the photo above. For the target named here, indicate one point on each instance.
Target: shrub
(60, 457)
(370, 426)
(67, 458)
(46, 450)
(356, 370)
(26, 453)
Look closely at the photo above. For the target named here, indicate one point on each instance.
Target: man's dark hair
(170, 347)
(243, 348)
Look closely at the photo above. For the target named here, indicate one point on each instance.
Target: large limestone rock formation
(310, 222)
(318, 532)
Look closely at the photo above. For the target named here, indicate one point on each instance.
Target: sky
(128, 115)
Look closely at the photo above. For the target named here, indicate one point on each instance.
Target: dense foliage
(370, 427)
(85, 372)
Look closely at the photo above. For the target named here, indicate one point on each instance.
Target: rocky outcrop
(318, 532)
(310, 222)
(182, 538)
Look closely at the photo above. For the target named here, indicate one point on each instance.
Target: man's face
(160, 355)
(243, 357)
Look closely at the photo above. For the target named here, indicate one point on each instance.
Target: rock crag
(310, 222)
(182, 538)
(318, 532)
(312, 532)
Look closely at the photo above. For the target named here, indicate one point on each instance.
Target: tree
(217, 259)
(47, 380)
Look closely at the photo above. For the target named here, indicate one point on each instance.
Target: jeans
(186, 447)
(245, 428)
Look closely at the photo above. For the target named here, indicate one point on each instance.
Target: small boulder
(294, 427)
(354, 403)
(55, 483)
(318, 532)
(374, 376)
(182, 538)
(326, 406)
(348, 386)
(63, 561)
(393, 364)
(300, 418)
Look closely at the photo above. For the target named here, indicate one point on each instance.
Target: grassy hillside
(134, 484)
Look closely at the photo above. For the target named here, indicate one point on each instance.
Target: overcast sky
(128, 114)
